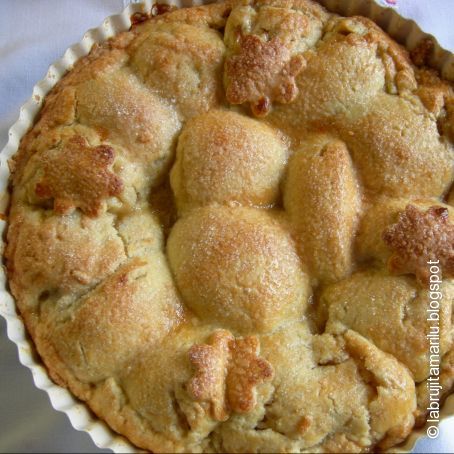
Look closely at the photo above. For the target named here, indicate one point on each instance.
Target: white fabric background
(33, 34)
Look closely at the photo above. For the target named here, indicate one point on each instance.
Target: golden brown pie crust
(220, 225)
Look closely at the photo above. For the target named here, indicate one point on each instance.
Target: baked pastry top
(220, 226)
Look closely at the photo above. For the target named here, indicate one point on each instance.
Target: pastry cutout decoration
(420, 236)
(261, 73)
(227, 371)
(77, 175)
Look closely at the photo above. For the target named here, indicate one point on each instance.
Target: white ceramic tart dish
(220, 225)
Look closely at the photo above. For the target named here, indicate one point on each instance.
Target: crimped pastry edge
(403, 30)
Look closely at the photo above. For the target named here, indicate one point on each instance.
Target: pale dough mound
(398, 307)
(181, 63)
(239, 267)
(126, 112)
(227, 158)
(220, 225)
(321, 175)
(132, 310)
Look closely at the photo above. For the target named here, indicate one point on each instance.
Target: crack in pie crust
(219, 224)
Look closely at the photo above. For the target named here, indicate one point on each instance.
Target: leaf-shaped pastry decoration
(262, 72)
(77, 175)
(227, 371)
(418, 237)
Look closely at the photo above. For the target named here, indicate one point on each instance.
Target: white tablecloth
(33, 34)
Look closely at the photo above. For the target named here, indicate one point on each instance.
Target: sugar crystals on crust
(211, 282)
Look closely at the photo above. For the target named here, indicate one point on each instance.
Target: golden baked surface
(220, 227)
